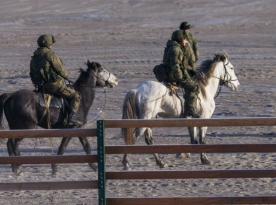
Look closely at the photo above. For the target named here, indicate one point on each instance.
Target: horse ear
(88, 63)
(81, 70)
(219, 57)
(225, 54)
(216, 57)
(93, 65)
(98, 65)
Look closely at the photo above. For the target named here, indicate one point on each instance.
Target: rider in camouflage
(185, 27)
(48, 76)
(179, 60)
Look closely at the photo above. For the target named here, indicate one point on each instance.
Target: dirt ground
(128, 37)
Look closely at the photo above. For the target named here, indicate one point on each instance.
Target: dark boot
(74, 121)
(190, 112)
(190, 105)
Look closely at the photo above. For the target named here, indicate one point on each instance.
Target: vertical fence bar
(101, 162)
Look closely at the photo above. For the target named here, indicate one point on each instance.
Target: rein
(224, 80)
(101, 78)
(105, 99)
(98, 115)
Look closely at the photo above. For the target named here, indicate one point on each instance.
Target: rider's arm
(58, 66)
(175, 64)
(194, 47)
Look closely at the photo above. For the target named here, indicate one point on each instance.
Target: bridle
(100, 110)
(94, 74)
(226, 79)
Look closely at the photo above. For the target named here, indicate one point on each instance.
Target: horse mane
(206, 70)
(84, 75)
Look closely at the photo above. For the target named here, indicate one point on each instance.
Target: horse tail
(130, 111)
(3, 99)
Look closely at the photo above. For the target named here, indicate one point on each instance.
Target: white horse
(153, 99)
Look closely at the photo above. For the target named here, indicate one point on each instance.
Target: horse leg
(193, 136)
(61, 149)
(130, 135)
(10, 147)
(193, 132)
(16, 144)
(149, 141)
(13, 150)
(125, 162)
(202, 140)
(87, 148)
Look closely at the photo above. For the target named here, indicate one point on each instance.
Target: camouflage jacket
(177, 59)
(46, 67)
(193, 44)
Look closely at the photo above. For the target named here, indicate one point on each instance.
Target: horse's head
(103, 77)
(226, 72)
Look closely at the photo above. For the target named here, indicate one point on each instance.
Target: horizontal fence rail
(172, 149)
(49, 185)
(37, 133)
(191, 122)
(49, 159)
(193, 200)
(206, 174)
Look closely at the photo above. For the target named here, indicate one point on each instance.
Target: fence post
(101, 162)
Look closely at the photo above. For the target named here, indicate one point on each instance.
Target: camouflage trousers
(62, 90)
(190, 96)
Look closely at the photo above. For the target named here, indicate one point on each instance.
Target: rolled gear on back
(161, 73)
(48, 75)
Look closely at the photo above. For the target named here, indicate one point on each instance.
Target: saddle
(172, 88)
(50, 102)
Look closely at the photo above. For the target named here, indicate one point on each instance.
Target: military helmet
(185, 26)
(178, 36)
(46, 40)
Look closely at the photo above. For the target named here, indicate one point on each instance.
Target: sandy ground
(128, 38)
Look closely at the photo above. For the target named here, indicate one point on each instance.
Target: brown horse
(24, 110)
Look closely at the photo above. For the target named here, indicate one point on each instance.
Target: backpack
(161, 73)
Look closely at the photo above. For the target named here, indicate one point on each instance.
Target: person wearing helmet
(178, 62)
(48, 75)
(186, 28)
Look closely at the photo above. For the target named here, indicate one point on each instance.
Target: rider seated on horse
(48, 75)
(180, 61)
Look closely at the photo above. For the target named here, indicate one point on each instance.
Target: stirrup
(73, 121)
(75, 124)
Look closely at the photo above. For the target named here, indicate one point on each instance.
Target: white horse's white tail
(130, 112)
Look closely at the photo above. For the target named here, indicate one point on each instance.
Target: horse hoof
(54, 173)
(127, 167)
(16, 170)
(183, 156)
(54, 170)
(206, 161)
(93, 166)
(19, 173)
(163, 165)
